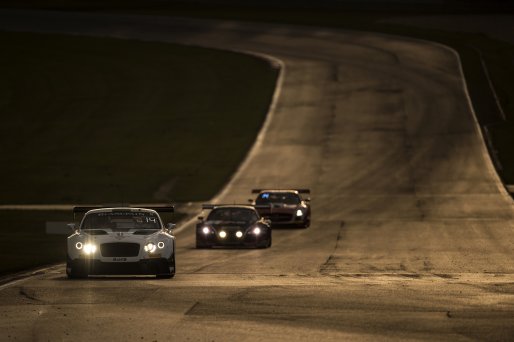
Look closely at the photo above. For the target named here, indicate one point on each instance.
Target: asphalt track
(412, 231)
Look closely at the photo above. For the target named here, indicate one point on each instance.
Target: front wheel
(265, 243)
(75, 272)
(171, 270)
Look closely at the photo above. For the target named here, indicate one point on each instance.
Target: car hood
(119, 232)
(279, 207)
(229, 225)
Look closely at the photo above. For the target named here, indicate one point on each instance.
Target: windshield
(121, 220)
(233, 214)
(277, 197)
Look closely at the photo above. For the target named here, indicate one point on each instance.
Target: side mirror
(200, 218)
(170, 226)
(250, 201)
(72, 226)
(307, 199)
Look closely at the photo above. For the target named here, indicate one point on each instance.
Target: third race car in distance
(284, 207)
(232, 226)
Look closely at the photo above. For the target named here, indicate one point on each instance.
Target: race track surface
(412, 231)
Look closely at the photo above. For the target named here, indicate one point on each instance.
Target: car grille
(279, 217)
(119, 249)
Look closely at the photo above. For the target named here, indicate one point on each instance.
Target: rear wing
(300, 191)
(164, 208)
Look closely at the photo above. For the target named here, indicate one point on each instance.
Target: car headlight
(89, 248)
(239, 234)
(150, 247)
(223, 234)
(160, 245)
(256, 230)
(206, 230)
(79, 245)
(299, 213)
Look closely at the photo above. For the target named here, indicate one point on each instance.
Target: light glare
(150, 247)
(89, 248)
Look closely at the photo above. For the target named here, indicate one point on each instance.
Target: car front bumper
(144, 266)
(247, 241)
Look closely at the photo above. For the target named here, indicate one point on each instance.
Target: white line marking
(485, 152)
(27, 276)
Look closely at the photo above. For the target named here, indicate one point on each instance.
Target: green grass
(106, 120)
(24, 242)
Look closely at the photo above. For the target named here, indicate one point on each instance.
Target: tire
(168, 275)
(75, 272)
(265, 243)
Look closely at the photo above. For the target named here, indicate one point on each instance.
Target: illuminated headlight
(223, 234)
(89, 248)
(206, 230)
(150, 247)
(79, 245)
(299, 213)
(160, 244)
(256, 230)
(239, 234)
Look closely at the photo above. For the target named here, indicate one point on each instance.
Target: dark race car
(284, 208)
(232, 226)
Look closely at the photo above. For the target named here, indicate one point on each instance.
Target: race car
(232, 225)
(121, 240)
(284, 207)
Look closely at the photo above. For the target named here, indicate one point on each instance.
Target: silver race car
(122, 240)
(284, 207)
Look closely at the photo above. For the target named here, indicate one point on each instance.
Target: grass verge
(93, 120)
(24, 242)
